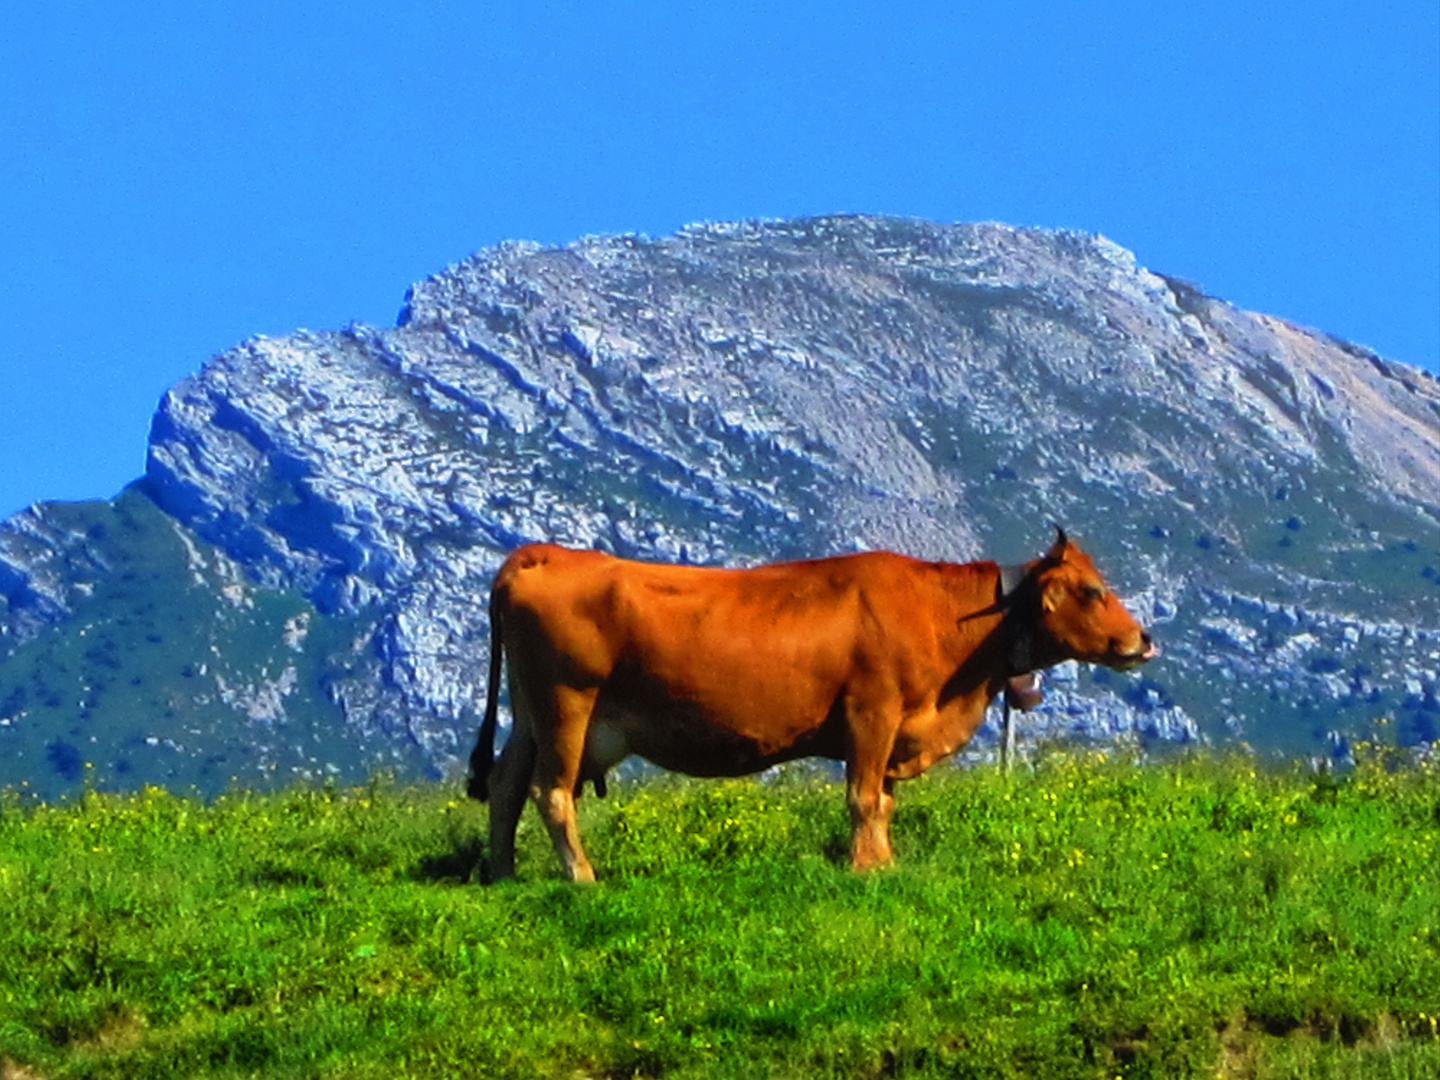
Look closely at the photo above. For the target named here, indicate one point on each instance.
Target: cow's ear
(1061, 545)
(1051, 595)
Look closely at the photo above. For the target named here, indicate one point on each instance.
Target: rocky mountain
(297, 585)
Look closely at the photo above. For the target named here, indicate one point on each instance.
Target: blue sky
(177, 177)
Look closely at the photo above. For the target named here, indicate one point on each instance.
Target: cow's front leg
(870, 810)
(868, 791)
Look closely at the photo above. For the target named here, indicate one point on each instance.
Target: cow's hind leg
(559, 752)
(508, 788)
(510, 781)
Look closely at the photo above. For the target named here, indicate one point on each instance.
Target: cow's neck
(986, 654)
(994, 643)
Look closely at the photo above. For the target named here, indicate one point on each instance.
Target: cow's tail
(483, 756)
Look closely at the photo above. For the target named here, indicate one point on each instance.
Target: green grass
(1093, 918)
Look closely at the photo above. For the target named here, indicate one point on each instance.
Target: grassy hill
(1090, 918)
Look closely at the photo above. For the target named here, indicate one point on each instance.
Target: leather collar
(1016, 624)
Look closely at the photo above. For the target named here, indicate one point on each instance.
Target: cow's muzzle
(1125, 661)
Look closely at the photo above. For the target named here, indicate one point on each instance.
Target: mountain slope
(1267, 496)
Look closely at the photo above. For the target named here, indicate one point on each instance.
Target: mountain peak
(749, 391)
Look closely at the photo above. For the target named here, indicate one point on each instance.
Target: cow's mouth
(1125, 661)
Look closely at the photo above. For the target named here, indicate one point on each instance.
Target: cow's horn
(1056, 553)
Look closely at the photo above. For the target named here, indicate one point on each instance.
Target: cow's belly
(683, 741)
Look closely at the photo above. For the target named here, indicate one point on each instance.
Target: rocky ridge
(1268, 496)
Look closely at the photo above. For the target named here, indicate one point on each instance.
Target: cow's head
(1080, 618)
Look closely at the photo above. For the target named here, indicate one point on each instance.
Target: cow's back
(597, 606)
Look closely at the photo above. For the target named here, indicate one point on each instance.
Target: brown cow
(878, 660)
